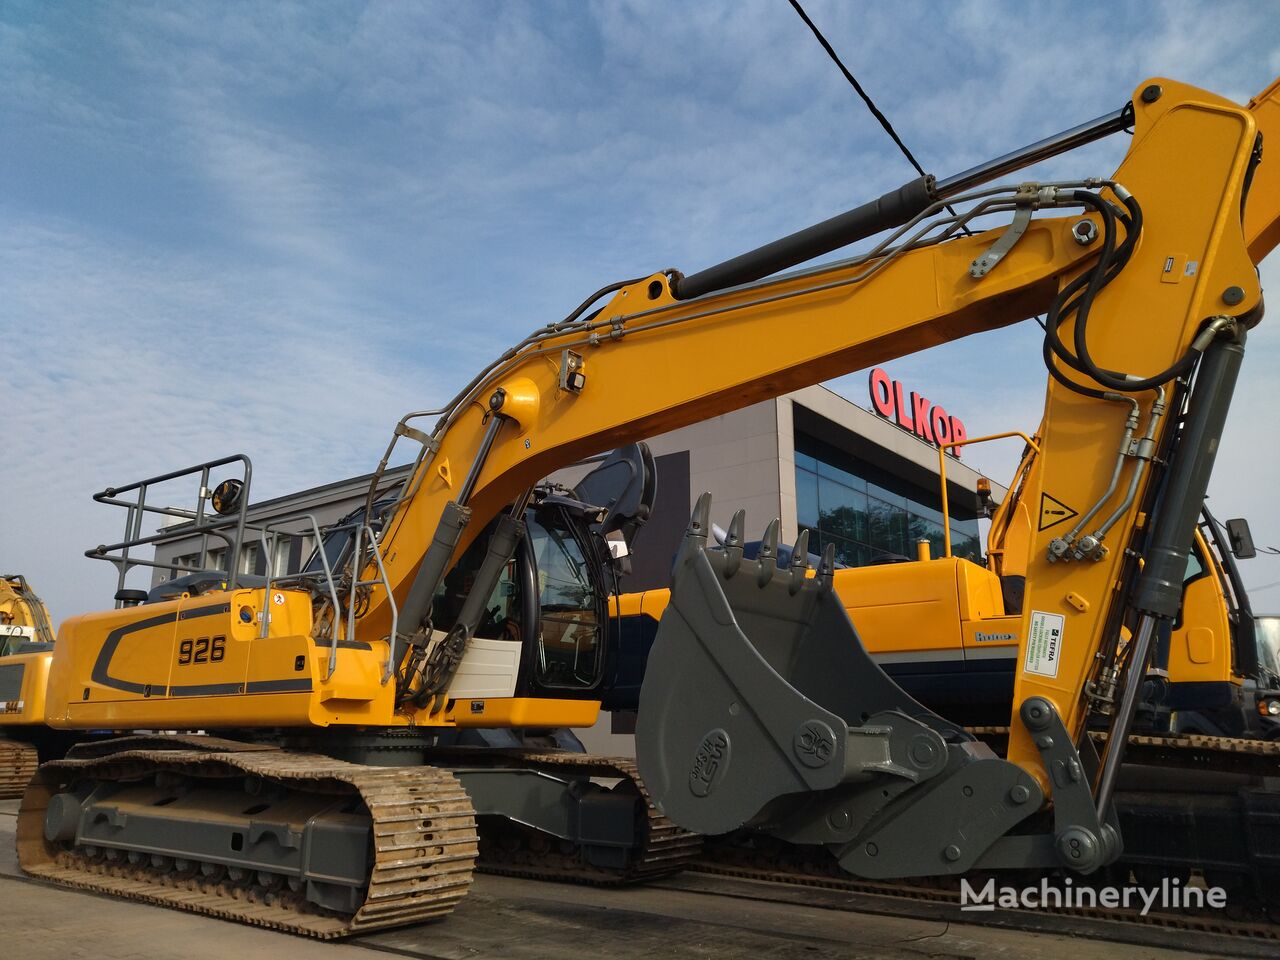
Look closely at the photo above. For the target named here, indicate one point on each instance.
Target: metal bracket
(413, 433)
(985, 263)
(1079, 840)
(946, 825)
(572, 379)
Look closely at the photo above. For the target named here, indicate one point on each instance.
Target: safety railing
(362, 534)
(429, 444)
(229, 527)
(942, 472)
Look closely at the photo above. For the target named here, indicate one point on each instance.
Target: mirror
(226, 497)
(1241, 539)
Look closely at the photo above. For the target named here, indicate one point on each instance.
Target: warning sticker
(1044, 643)
(1053, 511)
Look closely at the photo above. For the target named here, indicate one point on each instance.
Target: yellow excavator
(322, 787)
(26, 639)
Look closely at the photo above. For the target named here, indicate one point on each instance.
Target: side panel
(522, 712)
(23, 678)
(111, 657)
(907, 614)
(199, 662)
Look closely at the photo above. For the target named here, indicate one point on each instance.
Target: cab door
(564, 570)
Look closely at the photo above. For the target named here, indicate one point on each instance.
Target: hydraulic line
(1078, 296)
(1144, 452)
(1130, 425)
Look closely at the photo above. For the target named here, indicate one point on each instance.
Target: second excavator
(26, 639)
(320, 788)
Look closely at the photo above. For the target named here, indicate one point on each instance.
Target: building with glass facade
(819, 463)
(870, 514)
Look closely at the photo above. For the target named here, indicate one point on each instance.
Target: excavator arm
(1148, 272)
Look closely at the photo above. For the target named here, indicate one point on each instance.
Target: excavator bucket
(760, 707)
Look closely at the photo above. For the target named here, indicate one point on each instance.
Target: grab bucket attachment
(761, 708)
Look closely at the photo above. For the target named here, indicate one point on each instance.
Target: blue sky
(273, 228)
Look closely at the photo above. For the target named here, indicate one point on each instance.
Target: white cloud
(276, 228)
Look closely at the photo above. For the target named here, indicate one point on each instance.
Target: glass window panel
(884, 523)
(886, 494)
(964, 545)
(806, 498)
(922, 529)
(569, 648)
(885, 527)
(965, 539)
(899, 527)
(843, 511)
(925, 511)
(846, 550)
(1194, 566)
(833, 472)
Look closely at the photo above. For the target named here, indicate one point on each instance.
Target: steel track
(422, 825)
(18, 762)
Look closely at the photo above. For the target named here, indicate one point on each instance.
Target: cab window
(568, 649)
(569, 638)
(501, 617)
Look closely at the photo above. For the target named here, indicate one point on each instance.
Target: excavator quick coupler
(761, 708)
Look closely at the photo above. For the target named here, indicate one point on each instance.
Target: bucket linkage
(761, 708)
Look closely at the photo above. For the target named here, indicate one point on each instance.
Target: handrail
(362, 530)
(942, 472)
(137, 509)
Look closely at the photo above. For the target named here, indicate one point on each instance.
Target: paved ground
(518, 919)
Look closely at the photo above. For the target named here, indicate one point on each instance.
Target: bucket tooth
(768, 555)
(739, 522)
(700, 521)
(799, 561)
(827, 568)
(733, 543)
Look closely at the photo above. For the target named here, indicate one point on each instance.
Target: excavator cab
(552, 595)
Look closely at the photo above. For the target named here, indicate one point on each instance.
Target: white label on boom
(1044, 643)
